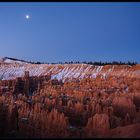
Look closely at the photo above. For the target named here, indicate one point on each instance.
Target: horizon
(63, 32)
(74, 62)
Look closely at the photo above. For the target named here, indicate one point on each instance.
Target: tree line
(92, 63)
(98, 63)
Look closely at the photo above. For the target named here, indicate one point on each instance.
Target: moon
(27, 16)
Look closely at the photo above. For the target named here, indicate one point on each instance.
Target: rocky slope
(130, 131)
(10, 69)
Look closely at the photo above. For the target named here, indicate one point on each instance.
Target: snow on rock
(11, 70)
(10, 61)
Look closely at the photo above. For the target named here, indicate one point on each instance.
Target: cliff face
(10, 69)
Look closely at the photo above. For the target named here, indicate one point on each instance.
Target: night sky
(56, 32)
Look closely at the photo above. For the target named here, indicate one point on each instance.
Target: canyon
(69, 100)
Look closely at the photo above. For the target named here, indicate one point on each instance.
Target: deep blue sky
(70, 31)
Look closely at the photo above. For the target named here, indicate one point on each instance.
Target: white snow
(66, 71)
